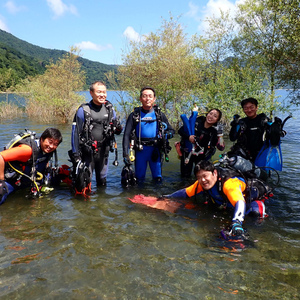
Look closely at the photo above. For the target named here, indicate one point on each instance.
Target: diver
(204, 140)
(258, 139)
(248, 132)
(94, 126)
(25, 162)
(227, 188)
(147, 133)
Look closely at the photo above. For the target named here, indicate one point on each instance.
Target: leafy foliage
(164, 61)
(228, 79)
(269, 38)
(52, 95)
(15, 66)
(233, 60)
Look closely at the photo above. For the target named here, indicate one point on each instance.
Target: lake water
(105, 247)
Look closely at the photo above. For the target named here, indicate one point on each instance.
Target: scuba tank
(19, 137)
(240, 163)
(243, 165)
(16, 139)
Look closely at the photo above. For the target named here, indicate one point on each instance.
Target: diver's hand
(235, 120)
(236, 229)
(3, 188)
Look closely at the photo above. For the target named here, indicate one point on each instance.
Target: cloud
(3, 25)
(59, 8)
(212, 8)
(194, 10)
(92, 46)
(13, 8)
(131, 34)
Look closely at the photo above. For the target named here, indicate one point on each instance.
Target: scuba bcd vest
(158, 137)
(105, 134)
(27, 137)
(204, 138)
(14, 170)
(105, 125)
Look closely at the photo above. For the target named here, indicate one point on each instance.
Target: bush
(53, 95)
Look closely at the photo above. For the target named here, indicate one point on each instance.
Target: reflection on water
(61, 247)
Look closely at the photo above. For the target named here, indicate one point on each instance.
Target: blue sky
(100, 28)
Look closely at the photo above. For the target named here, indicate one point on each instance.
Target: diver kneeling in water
(25, 161)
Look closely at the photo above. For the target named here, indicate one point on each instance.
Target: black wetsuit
(92, 134)
(249, 136)
(207, 139)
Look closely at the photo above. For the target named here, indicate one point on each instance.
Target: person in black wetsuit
(248, 132)
(25, 162)
(93, 129)
(206, 139)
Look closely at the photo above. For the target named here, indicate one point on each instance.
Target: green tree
(228, 79)
(232, 84)
(269, 38)
(8, 78)
(165, 61)
(53, 95)
(215, 45)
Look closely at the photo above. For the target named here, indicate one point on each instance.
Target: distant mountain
(14, 51)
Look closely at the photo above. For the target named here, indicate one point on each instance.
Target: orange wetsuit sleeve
(20, 153)
(194, 189)
(233, 188)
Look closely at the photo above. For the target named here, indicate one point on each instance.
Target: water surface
(105, 247)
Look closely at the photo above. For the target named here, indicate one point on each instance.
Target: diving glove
(235, 120)
(236, 229)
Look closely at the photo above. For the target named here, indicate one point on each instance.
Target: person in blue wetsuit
(93, 129)
(147, 132)
(226, 189)
(205, 141)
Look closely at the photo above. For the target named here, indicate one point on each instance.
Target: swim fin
(269, 156)
(189, 126)
(162, 203)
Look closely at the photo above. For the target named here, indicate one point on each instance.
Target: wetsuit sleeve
(233, 188)
(217, 140)
(77, 127)
(234, 131)
(188, 192)
(20, 153)
(127, 135)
